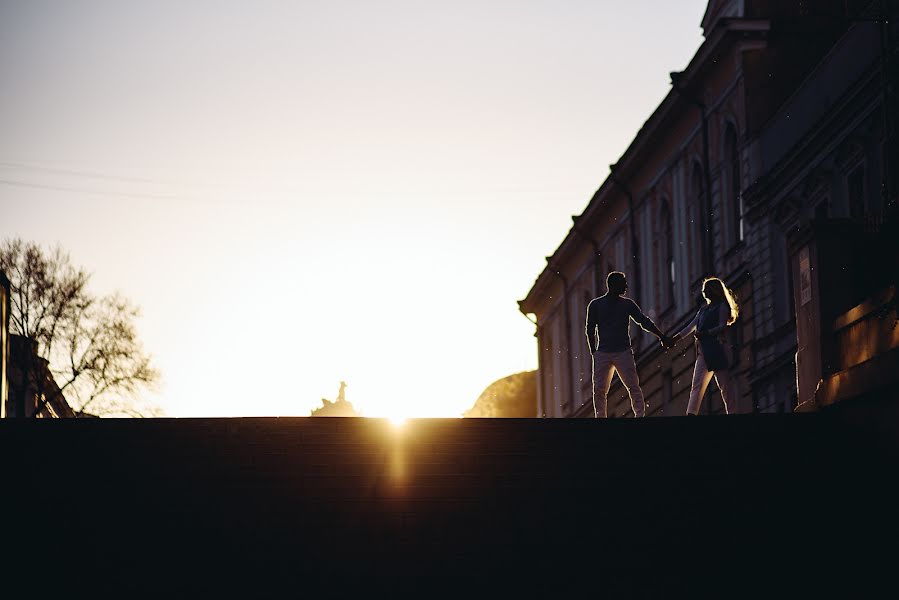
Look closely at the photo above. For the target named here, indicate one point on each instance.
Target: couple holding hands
(608, 318)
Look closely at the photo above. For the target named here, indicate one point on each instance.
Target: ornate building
(777, 121)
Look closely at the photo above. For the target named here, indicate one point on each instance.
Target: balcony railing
(867, 350)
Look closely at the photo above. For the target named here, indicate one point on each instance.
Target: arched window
(548, 376)
(667, 268)
(851, 159)
(855, 191)
(695, 235)
(734, 185)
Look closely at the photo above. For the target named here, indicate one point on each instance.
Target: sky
(302, 192)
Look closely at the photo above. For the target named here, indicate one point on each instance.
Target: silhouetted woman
(713, 356)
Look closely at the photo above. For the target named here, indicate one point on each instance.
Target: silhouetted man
(608, 318)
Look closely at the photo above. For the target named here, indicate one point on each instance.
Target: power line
(60, 188)
(93, 174)
(219, 185)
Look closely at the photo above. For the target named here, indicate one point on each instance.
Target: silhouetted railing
(867, 350)
(868, 330)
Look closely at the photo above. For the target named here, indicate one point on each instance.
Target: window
(586, 364)
(621, 250)
(855, 184)
(735, 199)
(668, 270)
(694, 223)
(781, 273)
(547, 373)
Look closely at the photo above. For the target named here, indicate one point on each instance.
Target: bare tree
(91, 343)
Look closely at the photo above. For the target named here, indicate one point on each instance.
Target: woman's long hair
(724, 292)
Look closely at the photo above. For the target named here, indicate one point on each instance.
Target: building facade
(27, 387)
(778, 120)
(33, 393)
(5, 306)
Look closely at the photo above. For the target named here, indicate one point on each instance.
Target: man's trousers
(604, 363)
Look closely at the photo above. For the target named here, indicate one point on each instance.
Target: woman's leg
(701, 379)
(725, 382)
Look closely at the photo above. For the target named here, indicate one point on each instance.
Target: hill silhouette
(514, 396)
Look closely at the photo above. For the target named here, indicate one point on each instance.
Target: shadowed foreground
(285, 506)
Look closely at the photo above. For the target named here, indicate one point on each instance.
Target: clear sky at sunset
(302, 192)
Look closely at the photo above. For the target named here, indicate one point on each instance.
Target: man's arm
(645, 322)
(590, 328)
